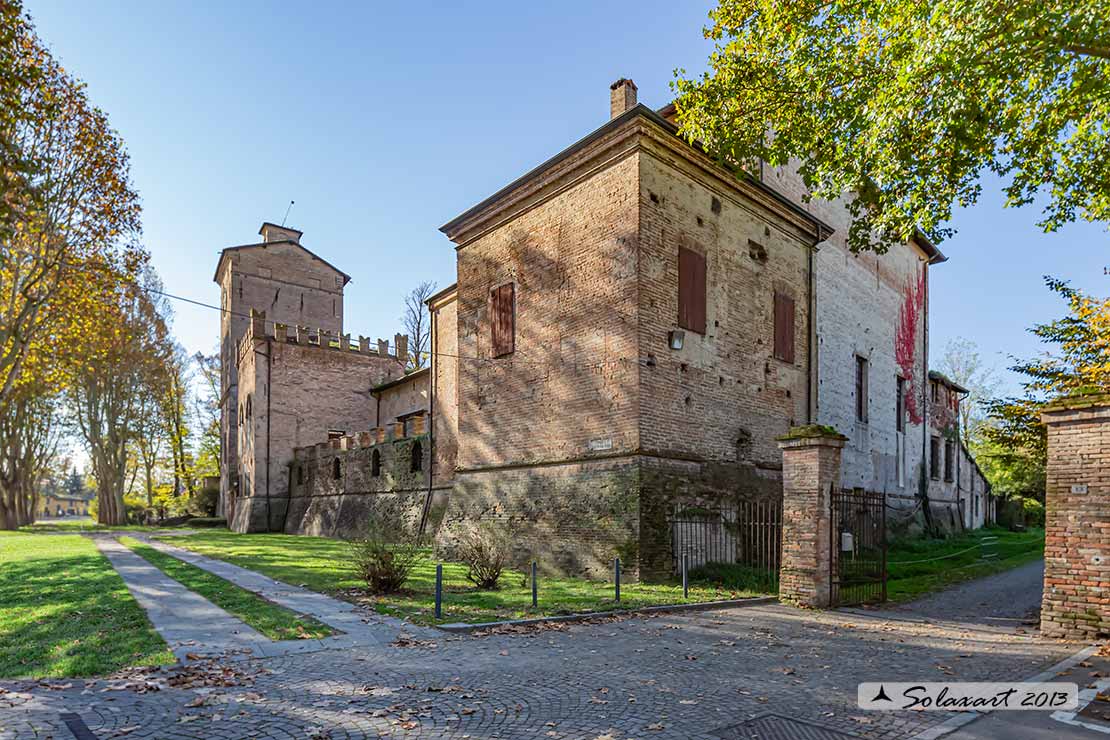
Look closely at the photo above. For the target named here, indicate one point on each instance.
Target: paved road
(695, 676)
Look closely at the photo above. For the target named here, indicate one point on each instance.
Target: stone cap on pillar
(812, 435)
(1077, 406)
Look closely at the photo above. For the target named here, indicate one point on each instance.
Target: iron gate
(747, 533)
(857, 547)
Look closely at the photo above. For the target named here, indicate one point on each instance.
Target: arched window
(336, 469)
(249, 407)
(375, 463)
(417, 457)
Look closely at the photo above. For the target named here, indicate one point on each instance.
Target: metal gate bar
(857, 547)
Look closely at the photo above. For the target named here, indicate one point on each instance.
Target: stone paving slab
(669, 676)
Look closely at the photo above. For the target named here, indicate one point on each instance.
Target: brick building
(632, 328)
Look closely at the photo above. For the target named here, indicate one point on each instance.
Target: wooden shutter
(502, 320)
(784, 327)
(691, 290)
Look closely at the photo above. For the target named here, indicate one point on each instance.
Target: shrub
(384, 559)
(485, 550)
(206, 500)
(1034, 512)
(206, 521)
(736, 577)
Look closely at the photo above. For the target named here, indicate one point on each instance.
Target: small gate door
(857, 547)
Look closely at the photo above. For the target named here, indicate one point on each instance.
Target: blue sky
(385, 120)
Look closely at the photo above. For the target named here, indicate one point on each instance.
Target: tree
(207, 412)
(961, 362)
(105, 396)
(903, 104)
(69, 215)
(417, 324)
(28, 441)
(1081, 364)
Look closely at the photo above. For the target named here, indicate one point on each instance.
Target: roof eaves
(225, 250)
(823, 229)
(416, 374)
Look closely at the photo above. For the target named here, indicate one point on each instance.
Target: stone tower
(292, 286)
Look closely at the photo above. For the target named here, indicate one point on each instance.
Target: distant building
(52, 505)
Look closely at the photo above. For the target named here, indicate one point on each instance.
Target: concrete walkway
(360, 626)
(189, 623)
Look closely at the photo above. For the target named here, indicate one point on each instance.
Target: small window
(416, 464)
(934, 391)
(336, 434)
(336, 469)
(249, 410)
(375, 463)
(934, 457)
(949, 456)
(861, 389)
(300, 475)
(900, 404)
(503, 320)
(784, 327)
(691, 290)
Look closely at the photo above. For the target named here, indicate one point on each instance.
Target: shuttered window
(691, 290)
(784, 327)
(502, 320)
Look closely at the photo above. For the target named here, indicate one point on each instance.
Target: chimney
(622, 97)
(274, 233)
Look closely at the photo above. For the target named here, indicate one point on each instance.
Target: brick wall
(296, 393)
(874, 306)
(325, 504)
(293, 287)
(723, 397)
(445, 388)
(1077, 519)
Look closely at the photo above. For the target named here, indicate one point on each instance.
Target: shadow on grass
(65, 612)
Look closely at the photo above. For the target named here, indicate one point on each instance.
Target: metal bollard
(439, 590)
(617, 577)
(685, 582)
(535, 593)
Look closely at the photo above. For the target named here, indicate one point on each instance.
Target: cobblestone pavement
(673, 676)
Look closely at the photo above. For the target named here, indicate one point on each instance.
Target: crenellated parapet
(305, 336)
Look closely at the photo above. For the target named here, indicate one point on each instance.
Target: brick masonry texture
(811, 467)
(293, 287)
(325, 504)
(592, 381)
(1077, 522)
(292, 395)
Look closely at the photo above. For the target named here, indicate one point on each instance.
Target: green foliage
(1034, 512)
(1015, 438)
(736, 577)
(904, 104)
(919, 565)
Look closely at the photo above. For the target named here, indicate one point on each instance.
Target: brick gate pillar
(1077, 518)
(810, 469)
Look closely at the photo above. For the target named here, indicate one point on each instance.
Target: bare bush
(385, 558)
(485, 549)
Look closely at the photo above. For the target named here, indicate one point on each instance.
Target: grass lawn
(65, 612)
(276, 622)
(956, 559)
(324, 565)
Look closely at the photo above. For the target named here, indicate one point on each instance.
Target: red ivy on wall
(905, 340)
